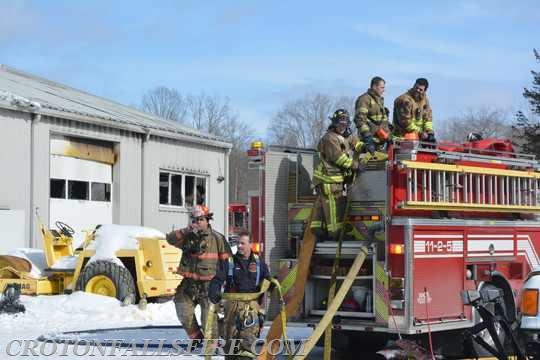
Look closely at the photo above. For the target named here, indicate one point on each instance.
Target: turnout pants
(189, 294)
(329, 209)
(243, 320)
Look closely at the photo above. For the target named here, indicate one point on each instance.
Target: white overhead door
(80, 191)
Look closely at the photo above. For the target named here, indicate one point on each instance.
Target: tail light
(256, 247)
(397, 249)
(529, 302)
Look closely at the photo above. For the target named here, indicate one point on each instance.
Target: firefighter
(243, 318)
(371, 117)
(204, 252)
(334, 171)
(412, 114)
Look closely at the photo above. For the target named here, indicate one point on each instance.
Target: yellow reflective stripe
(348, 163)
(335, 227)
(428, 125)
(364, 129)
(363, 110)
(333, 213)
(327, 189)
(377, 117)
(358, 146)
(342, 159)
(334, 179)
(316, 224)
(413, 126)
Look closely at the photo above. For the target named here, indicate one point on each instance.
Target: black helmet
(340, 116)
(474, 137)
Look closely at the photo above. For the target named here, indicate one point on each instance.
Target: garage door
(80, 184)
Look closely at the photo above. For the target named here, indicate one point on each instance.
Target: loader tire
(107, 278)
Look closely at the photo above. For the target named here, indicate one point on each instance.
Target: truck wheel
(107, 278)
(484, 333)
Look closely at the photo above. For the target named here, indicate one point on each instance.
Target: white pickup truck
(530, 313)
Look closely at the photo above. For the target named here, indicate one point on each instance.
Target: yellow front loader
(147, 271)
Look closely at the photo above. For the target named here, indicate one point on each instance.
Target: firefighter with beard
(243, 316)
(335, 169)
(412, 114)
(204, 252)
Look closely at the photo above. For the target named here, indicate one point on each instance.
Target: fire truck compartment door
(438, 274)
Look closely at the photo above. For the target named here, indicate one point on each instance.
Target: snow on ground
(52, 315)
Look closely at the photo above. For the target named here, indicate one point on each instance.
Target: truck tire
(480, 351)
(107, 278)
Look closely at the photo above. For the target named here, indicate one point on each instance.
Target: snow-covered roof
(27, 92)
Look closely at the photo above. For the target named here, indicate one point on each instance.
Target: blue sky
(260, 54)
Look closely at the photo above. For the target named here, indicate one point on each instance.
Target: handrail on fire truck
(468, 181)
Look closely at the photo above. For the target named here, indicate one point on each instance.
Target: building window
(58, 188)
(164, 188)
(101, 192)
(181, 190)
(176, 190)
(77, 190)
(201, 191)
(189, 190)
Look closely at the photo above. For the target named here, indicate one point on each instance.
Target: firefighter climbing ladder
(305, 254)
(435, 186)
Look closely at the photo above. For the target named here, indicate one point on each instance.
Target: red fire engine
(437, 221)
(238, 218)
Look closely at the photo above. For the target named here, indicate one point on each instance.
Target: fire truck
(438, 220)
(238, 219)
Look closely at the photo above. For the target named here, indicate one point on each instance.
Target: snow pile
(65, 263)
(17, 100)
(111, 237)
(36, 257)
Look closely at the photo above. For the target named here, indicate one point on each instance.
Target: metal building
(85, 160)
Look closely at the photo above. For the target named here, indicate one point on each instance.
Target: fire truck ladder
(437, 186)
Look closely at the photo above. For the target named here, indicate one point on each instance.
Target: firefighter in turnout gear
(243, 318)
(204, 252)
(371, 117)
(335, 169)
(412, 114)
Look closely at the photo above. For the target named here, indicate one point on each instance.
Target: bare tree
(489, 122)
(302, 122)
(210, 114)
(166, 103)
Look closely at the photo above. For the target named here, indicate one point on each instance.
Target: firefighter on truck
(334, 172)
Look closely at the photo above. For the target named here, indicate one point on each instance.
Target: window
(201, 191)
(189, 190)
(101, 192)
(181, 189)
(77, 190)
(176, 190)
(163, 188)
(58, 188)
